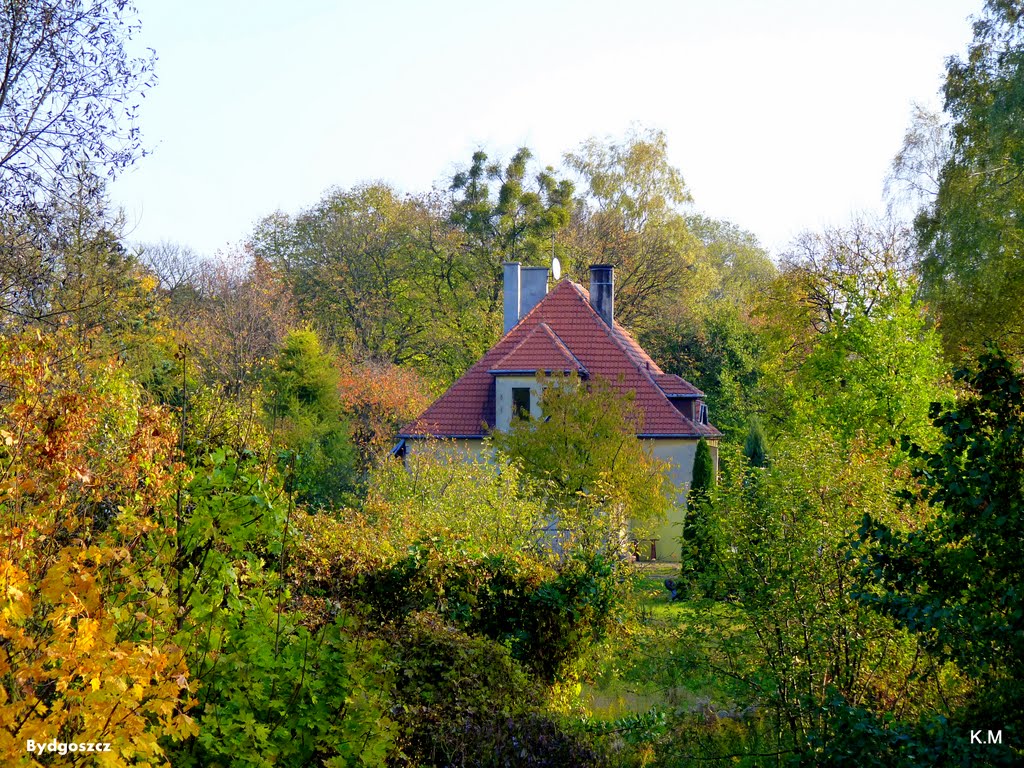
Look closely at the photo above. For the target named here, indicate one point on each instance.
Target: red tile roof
(541, 350)
(676, 386)
(562, 327)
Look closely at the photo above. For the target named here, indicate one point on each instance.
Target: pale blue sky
(782, 115)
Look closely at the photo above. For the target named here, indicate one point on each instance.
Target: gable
(542, 351)
(562, 332)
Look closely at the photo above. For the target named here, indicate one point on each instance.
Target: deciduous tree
(304, 409)
(971, 235)
(594, 472)
(68, 94)
(955, 582)
(630, 216)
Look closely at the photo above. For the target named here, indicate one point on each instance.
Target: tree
(386, 278)
(304, 408)
(790, 631)
(875, 370)
(755, 446)
(350, 261)
(68, 93)
(726, 357)
(629, 216)
(86, 621)
(955, 582)
(633, 177)
(832, 267)
(703, 472)
(709, 334)
(738, 268)
(377, 400)
(914, 177)
(242, 317)
(971, 235)
(697, 543)
(179, 271)
(63, 264)
(519, 224)
(438, 491)
(594, 472)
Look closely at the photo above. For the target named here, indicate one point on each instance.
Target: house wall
(474, 449)
(503, 386)
(680, 454)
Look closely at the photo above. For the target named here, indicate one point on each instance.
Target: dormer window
(703, 414)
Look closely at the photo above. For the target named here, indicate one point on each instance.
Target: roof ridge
(543, 333)
(564, 347)
(610, 331)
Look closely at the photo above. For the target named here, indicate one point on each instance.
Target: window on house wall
(521, 402)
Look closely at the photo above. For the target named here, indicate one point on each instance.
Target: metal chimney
(511, 294)
(533, 286)
(602, 291)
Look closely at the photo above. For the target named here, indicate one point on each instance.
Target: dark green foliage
(755, 447)
(724, 357)
(860, 738)
(530, 741)
(461, 697)
(956, 582)
(698, 547)
(703, 471)
(519, 224)
(548, 618)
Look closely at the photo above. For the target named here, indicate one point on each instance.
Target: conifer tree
(755, 448)
(697, 548)
(703, 473)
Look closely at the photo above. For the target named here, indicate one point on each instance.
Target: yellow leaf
(95, 683)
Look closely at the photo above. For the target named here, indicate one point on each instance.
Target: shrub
(860, 738)
(546, 615)
(465, 700)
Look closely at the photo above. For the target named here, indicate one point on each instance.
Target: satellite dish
(556, 268)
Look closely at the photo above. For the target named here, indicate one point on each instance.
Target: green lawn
(652, 661)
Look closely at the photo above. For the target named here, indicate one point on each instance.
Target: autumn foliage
(379, 398)
(85, 472)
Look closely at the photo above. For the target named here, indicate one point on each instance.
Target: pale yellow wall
(474, 449)
(680, 454)
(503, 398)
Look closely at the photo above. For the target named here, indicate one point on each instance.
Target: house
(570, 329)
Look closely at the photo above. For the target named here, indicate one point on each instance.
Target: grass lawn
(653, 659)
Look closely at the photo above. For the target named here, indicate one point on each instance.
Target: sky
(783, 115)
